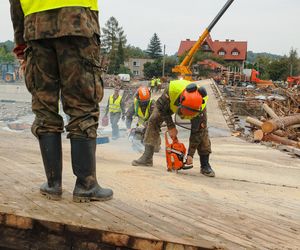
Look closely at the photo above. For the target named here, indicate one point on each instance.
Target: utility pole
(164, 61)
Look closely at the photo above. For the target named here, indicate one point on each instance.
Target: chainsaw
(176, 155)
(136, 137)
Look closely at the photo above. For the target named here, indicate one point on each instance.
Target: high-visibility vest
(153, 81)
(34, 6)
(142, 117)
(115, 106)
(175, 89)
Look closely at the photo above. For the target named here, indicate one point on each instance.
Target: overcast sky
(268, 25)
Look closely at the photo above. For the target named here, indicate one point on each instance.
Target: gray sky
(268, 25)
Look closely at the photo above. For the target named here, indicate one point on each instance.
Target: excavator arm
(184, 69)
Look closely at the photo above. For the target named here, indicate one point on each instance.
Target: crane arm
(184, 68)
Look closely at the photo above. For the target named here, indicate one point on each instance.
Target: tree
(153, 69)
(154, 49)
(113, 42)
(112, 34)
(294, 64)
(279, 69)
(5, 55)
(134, 52)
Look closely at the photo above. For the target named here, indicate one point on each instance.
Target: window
(235, 53)
(136, 64)
(136, 73)
(205, 47)
(221, 53)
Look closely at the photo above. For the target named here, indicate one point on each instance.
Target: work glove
(173, 133)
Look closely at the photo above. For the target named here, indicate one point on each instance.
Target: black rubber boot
(50, 146)
(86, 189)
(146, 159)
(205, 166)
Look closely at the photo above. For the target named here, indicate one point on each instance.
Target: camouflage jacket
(198, 124)
(68, 21)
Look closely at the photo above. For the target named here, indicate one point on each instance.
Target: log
(281, 140)
(280, 123)
(258, 135)
(270, 111)
(259, 124)
(254, 121)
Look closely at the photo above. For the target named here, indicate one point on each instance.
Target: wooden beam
(258, 124)
(280, 123)
(281, 140)
(270, 111)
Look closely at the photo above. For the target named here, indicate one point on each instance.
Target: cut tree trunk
(281, 140)
(270, 111)
(259, 124)
(280, 123)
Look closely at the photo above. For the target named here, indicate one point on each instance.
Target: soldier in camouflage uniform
(180, 97)
(61, 48)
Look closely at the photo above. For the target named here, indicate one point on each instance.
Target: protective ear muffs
(202, 91)
(191, 87)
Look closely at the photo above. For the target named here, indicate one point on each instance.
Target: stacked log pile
(281, 122)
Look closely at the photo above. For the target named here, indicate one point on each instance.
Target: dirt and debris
(263, 115)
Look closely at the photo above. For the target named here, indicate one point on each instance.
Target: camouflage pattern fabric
(68, 21)
(199, 138)
(66, 67)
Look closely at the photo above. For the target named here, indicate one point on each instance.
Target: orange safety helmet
(190, 102)
(143, 94)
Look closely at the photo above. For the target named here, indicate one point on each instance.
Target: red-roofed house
(230, 50)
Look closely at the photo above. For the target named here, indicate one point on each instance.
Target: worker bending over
(141, 108)
(188, 101)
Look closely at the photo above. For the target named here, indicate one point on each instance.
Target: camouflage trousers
(199, 138)
(65, 69)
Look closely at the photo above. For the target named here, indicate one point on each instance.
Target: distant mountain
(251, 56)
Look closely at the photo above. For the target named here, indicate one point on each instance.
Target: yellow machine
(184, 69)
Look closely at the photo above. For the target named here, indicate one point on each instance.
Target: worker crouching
(188, 101)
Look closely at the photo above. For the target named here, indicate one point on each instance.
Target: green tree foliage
(279, 69)
(293, 63)
(113, 42)
(153, 69)
(134, 52)
(170, 63)
(6, 55)
(112, 33)
(154, 49)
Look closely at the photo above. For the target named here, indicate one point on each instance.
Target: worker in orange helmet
(188, 101)
(141, 108)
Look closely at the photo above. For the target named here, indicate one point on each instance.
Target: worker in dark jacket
(59, 41)
(116, 109)
(188, 101)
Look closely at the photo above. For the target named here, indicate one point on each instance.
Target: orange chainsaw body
(175, 154)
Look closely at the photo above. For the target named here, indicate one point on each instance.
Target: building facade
(136, 66)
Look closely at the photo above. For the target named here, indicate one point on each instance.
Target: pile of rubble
(271, 115)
